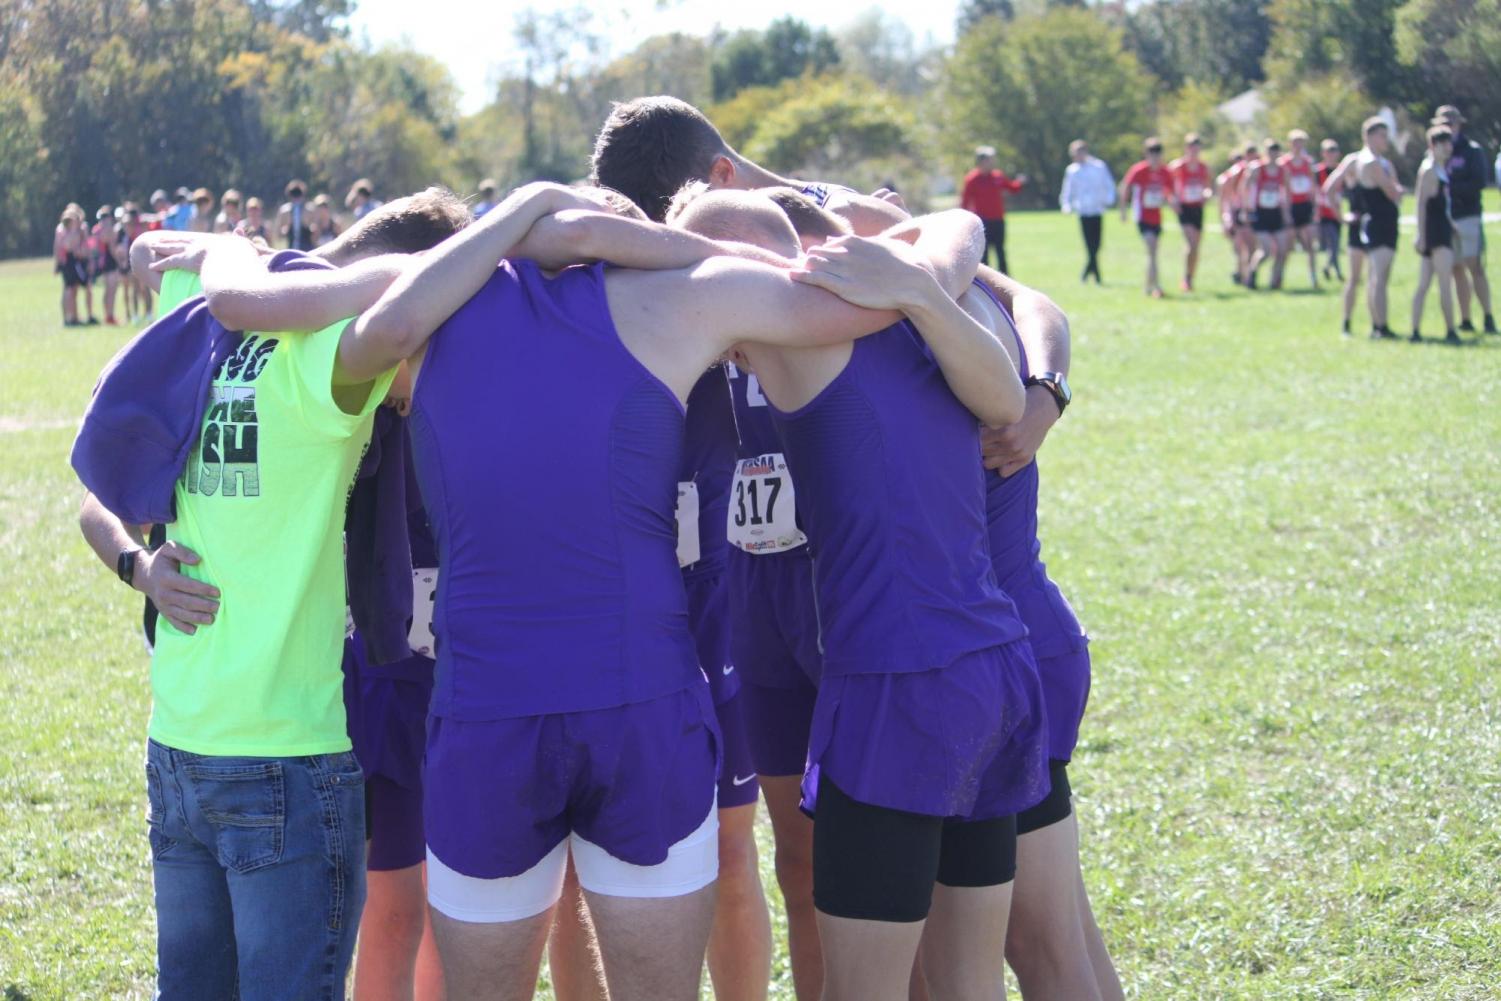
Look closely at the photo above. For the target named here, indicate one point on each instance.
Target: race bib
(1301, 184)
(687, 519)
(1269, 198)
(420, 636)
(763, 507)
(1151, 198)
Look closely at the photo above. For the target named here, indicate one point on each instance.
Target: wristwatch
(1055, 383)
(125, 564)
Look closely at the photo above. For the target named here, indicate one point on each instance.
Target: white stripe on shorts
(691, 865)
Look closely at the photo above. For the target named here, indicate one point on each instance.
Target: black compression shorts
(877, 864)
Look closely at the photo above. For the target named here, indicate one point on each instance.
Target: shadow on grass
(14, 993)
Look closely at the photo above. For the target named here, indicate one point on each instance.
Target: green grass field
(1286, 545)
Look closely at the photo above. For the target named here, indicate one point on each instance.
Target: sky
(474, 38)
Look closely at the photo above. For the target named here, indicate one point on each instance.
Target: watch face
(1067, 394)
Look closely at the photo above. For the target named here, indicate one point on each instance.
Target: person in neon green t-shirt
(256, 803)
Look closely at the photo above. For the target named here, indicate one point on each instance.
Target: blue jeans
(259, 869)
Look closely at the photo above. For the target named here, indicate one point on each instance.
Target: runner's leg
(794, 867)
(572, 950)
(740, 942)
(491, 961)
(391, 930)
(1443, 266)
(653, 947)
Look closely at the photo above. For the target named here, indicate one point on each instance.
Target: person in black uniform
(1469, 174)
(1435, 240)
(1380, 197)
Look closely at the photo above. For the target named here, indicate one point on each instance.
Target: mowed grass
(1286, 545)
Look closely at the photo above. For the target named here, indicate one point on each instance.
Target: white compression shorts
(691, 864)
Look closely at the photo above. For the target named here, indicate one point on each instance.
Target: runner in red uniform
(1146, 187)
(1265, 185)
(1192, 188)
(1235, 213)
(1302, 193)
(1329, 211)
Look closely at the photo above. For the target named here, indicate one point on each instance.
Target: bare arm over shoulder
(883, 274)
(575, 236)
(243, 295)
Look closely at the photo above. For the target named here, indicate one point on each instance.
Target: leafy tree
(998, 89)
(1218, 43)
(788, 48)
(972, 12)
(1452, 49)
(1343, 38)
(882, 49)
(1195, 108)
(1323, 106)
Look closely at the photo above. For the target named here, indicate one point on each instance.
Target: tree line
(102, 100)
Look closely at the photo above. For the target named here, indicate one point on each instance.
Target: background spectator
(229, 212)
(361, 199)
(984, 194)
(255, 222)
(1088, 190)
(486, 197)
(294, 218)
(325, 227)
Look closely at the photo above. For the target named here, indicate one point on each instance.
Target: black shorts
(1354, 237)
(1302, 214)
(1149, 228)
(1379, 234)
(877, 864)
(107, 263)
(75, 272)
(1057, 806)
(1267, 221)
(1191, 215)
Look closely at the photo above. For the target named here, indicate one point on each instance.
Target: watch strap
(1049, 381)
(125, 564)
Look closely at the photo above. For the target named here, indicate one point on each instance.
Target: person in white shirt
(1088, 190)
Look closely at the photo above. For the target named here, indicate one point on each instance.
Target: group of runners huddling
(748, 512)
(1275, 201)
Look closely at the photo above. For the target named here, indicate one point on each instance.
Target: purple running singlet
(548, 459)
(774, 643)
(568, 694)
(1059, 643)
(929, 700)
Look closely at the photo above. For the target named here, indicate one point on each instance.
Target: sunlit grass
(1286, 545)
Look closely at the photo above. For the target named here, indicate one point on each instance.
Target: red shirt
(984, 193)
(1149, 188)
(1299, 177)
(1271, 187)
(1189, 180)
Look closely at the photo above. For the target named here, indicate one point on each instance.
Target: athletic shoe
(1452, 338)
(1235, 277)
(1345, 328)
(1490, 324)
(1416, 337)
(1154, 293)
(1467, 326)
(92, 322)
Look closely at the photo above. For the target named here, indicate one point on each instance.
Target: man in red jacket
(984, 194)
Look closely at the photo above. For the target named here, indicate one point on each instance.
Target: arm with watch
(1044, 333)
(183, 601)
